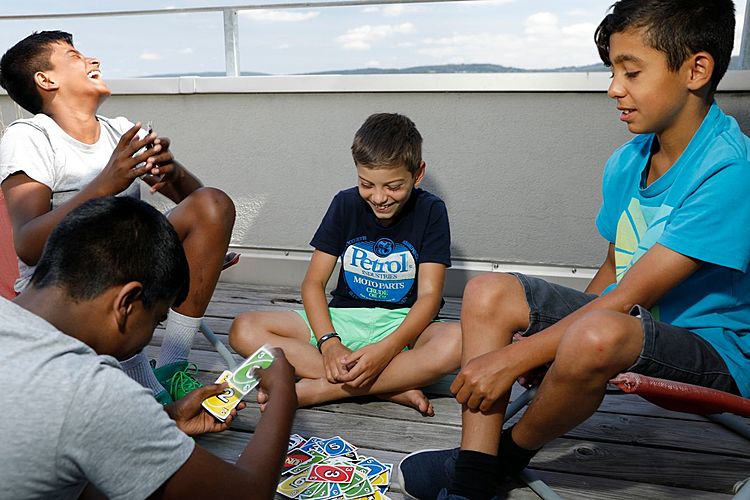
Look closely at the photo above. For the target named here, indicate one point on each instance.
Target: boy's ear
(419, 174)
(125, 302)
(44, 81)
(701, 68)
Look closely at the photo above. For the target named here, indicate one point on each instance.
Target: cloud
(544, 43)
(186, 50)
(278, 16)
(149, 56)
(362, 37)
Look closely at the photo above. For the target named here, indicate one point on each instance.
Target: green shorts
(361, 326)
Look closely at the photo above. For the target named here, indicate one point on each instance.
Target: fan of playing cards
(318, 468)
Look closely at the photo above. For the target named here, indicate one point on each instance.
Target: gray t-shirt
(70, 416)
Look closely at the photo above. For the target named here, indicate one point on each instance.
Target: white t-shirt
(71, 416)
(42, 150)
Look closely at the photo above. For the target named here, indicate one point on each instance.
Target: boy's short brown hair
(388, 140)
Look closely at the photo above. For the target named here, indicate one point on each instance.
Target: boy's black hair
(19, 64)
(388, 140)
(111, 241)
(679, 28)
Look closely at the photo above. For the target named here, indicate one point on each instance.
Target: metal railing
(231, 23)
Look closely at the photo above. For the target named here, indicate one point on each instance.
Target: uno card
(221, 405)
(377, 495)
(374, 467)
(295, 441)
(294, 458)
(359, 489)
(293, 486)
(243, 378)
(337, 446)
(313, 444)
(317, 491)
(331, 473)
(303, 468)
(381, 479)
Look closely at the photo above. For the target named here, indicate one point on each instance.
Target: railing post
(745, 42)
(232, 42)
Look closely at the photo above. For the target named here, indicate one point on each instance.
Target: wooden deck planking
(628, 449)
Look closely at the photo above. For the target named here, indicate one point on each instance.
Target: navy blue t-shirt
(380, 264)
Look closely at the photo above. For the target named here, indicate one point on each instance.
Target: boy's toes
(413, 398)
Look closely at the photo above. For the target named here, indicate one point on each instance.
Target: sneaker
(178, 378)
(423, 474)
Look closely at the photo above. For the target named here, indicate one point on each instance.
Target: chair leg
(731, 422)
(742, 490)
(537, 485)
(218, 345)
(527, 476)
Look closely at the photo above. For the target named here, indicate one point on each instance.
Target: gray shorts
(669, 352)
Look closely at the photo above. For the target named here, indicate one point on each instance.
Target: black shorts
(668, 352)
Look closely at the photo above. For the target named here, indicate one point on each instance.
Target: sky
(530, 34)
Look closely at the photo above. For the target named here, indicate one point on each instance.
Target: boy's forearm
(30, 237)
(417, 319)
(316, 308)
(264, 454)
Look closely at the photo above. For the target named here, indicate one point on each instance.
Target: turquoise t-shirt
(701, 209)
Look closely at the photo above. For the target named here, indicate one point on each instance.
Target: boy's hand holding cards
(241, 381)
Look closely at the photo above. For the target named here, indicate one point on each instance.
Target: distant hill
(441, 68)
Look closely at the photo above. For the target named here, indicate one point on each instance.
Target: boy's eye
(631, 74)
(395, 188)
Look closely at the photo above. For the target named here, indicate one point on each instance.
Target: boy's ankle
(511, 457)
(475, 475)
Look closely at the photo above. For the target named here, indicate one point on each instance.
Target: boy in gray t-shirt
(63, 426)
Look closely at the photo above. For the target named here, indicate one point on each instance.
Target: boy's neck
(76, 120)
(672, 142)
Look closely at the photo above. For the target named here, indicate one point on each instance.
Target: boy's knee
(213, 205)
(242, 328)
(594, 344)
(491, 289)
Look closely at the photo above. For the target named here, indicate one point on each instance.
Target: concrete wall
(520, 171)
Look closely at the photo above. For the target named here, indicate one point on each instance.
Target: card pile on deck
(241, 381)
(317, 469)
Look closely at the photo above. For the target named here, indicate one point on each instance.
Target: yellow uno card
(221, 405)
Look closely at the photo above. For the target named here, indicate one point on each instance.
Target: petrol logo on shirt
(382, 270)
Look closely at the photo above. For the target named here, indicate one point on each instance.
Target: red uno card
(331, 473)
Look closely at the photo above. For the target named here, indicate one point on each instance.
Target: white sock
(139, 369)
(178, 339)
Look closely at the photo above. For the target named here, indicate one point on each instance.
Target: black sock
(512, 458)
(476, 475)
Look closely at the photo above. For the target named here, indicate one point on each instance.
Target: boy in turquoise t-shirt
(672, 298)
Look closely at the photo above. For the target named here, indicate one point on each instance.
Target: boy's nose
(379, 197)
(615, 90)
(94, 61)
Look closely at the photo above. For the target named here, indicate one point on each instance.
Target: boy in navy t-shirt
(672, 298)
(378, 334)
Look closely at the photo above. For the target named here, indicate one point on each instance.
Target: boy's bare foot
(413, 398)
(315, 391)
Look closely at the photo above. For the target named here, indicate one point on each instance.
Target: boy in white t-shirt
(67, 154)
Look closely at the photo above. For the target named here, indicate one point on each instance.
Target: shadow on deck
(628, 449)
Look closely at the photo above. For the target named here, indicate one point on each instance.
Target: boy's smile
(78, 72)
(387, 190)
(650, 97)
